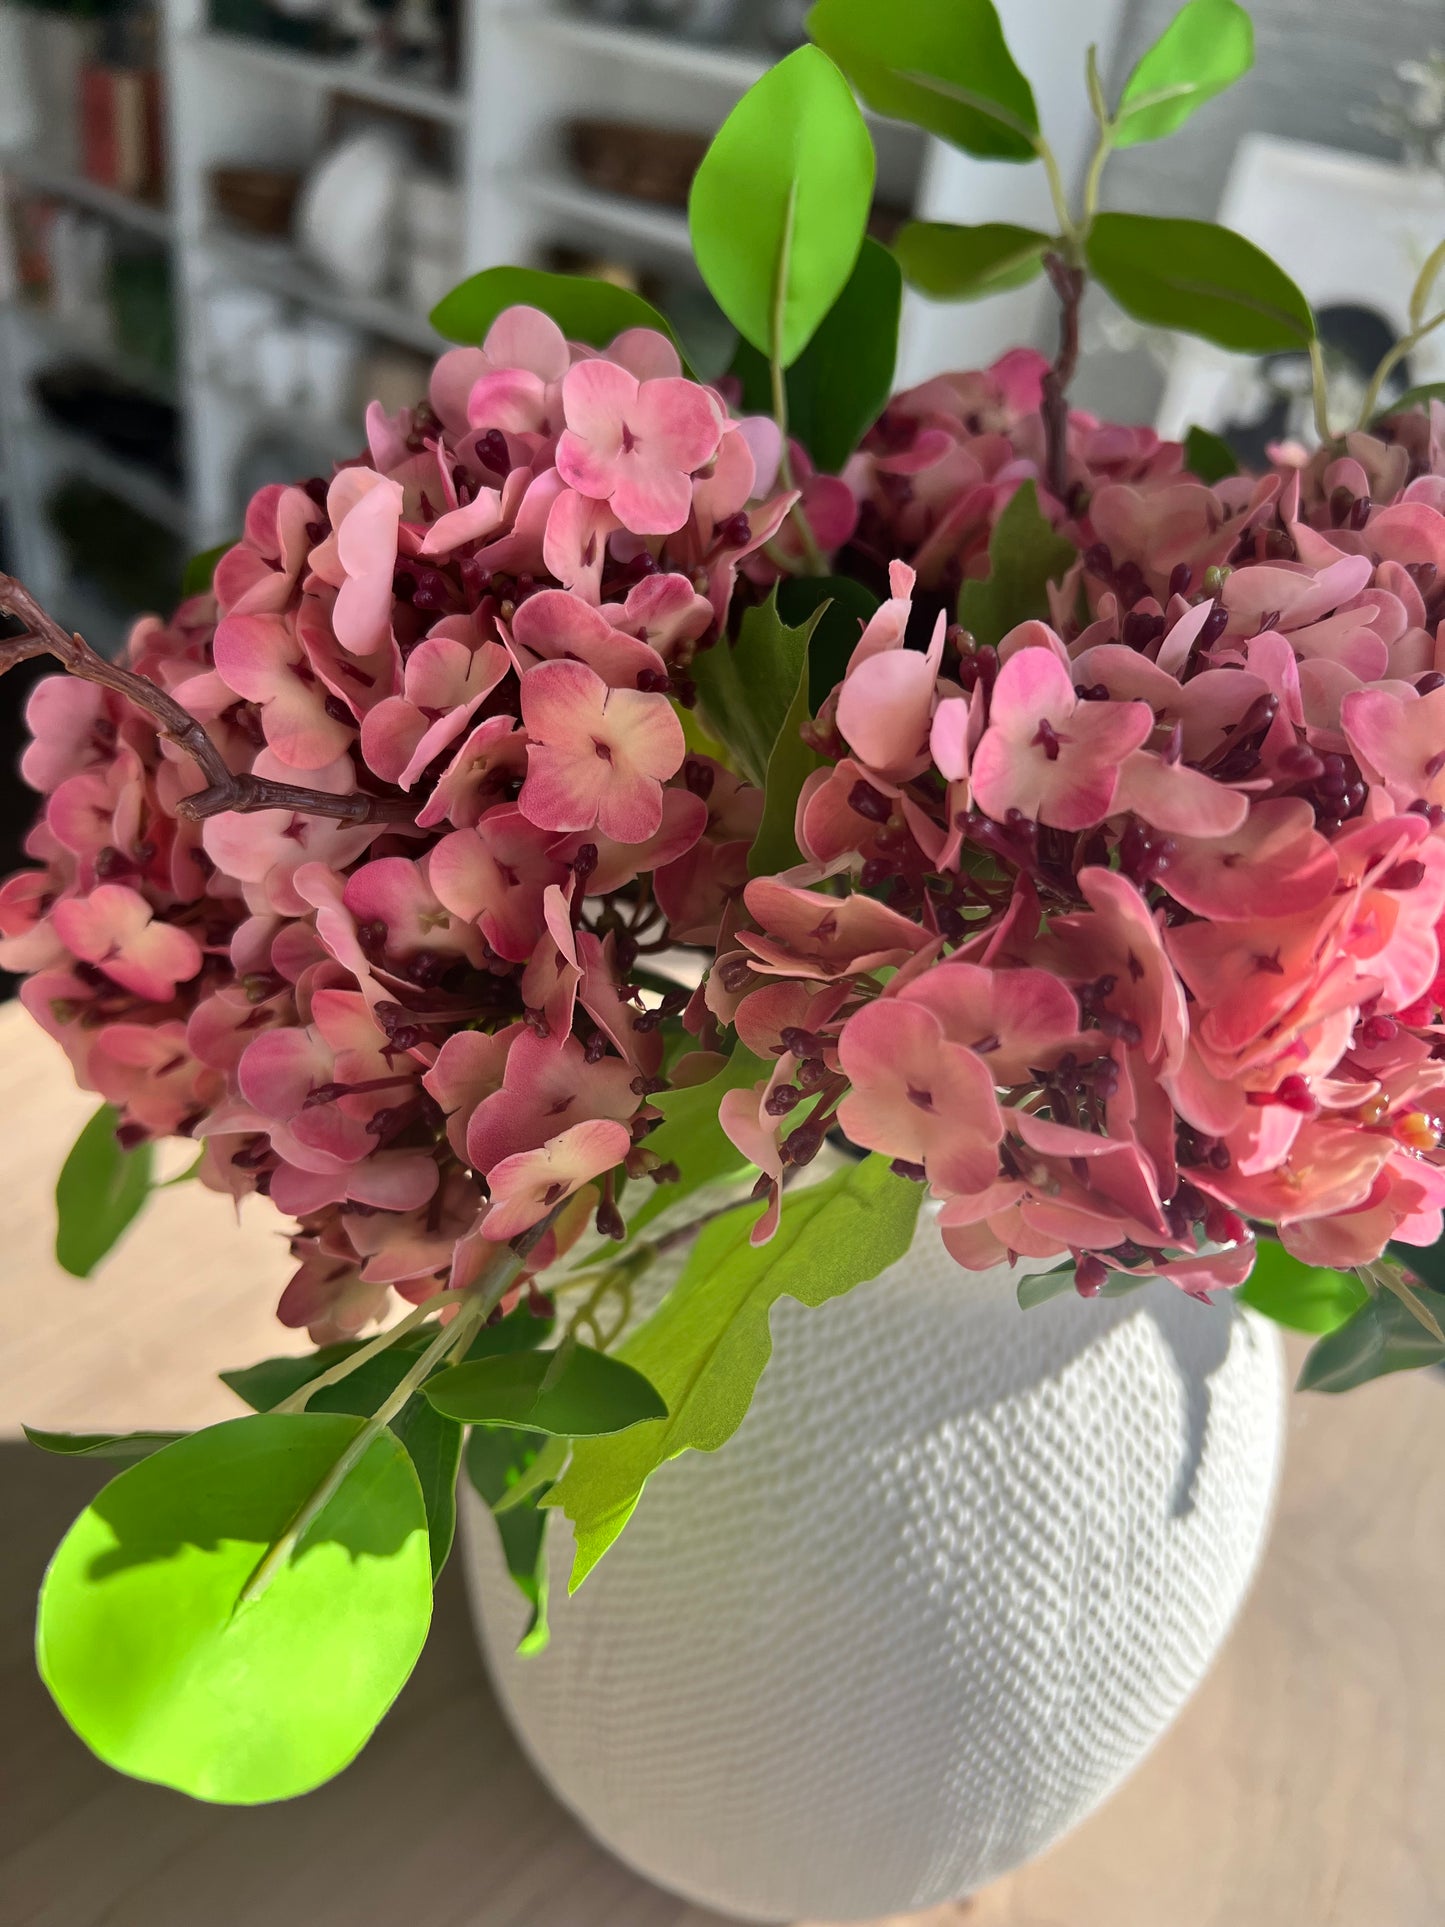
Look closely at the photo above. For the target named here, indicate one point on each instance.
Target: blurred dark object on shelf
(627, 157)
(259, 199)
(142, 308)
(95, 405)
(110, 548)
(414, 40)
(121, 116)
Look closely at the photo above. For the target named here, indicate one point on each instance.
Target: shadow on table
(440, 1823)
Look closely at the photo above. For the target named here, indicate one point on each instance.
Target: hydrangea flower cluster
(1121, 934)
(404, 1004)
(1125, 934)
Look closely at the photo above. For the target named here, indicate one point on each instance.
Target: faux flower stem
(1389, 362)
(344, 1367)
(225, 790)
(1068, 283)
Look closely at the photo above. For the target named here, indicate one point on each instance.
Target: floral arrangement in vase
(625, 826)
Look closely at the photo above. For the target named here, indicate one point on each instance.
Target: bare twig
(225, 790)
(1068, 285)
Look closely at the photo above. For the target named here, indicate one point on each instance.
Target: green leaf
(498, 1462)
(585, 310)
(1383, 1336)
(572, 1393)
(943, 64)
(1040, 1286)
(1209, 456)
(780, 203)
(150, 1653)
(706, 1345)
(1200, 278)
(434, 1442)
(1025, 554)
(100, 1190)
(101, 1445)
(1420, 397)
(843, 608)
(747, 688)
(791, 763)
(691, 1137)
(1303, 1297)
(1207, 46)
(196, 579)
(1425, 1262)
(964, 263)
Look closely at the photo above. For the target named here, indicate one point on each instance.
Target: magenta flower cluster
(1122, 934)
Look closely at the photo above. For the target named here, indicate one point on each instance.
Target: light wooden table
(1303, 1787)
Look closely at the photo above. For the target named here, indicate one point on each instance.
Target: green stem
(1406, 345)
(483, 1298)
(334, 1374)
(1320, 387)
(1424, 282)
(816, 564)
(1059, 194)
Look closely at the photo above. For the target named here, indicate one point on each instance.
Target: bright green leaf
(840, 384)
(434, 1442)
(1200, 278)
(150, 1654)
(747, 688)
(792, 762)
(1303, 1297)
(943, 64)
(196, 579)
(1025, 554)
(100, 1190)
(843, 608)
(1383, 1336)
(964, 263)
(101, 1445)
(780, 203)
(498, 1464)
(691, 1137)
(1040, 1286)
(706, 1345)
(571, 1393)
(1207, 46)
(585, 310)
(1209, 456)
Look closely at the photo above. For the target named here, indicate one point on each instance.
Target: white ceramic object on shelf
(349, 210)
(957, 1571)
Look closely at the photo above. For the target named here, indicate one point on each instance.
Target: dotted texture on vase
(958, 1569)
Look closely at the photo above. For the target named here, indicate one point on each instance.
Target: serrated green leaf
(843, 608)
(100, 1445)
(779, 206)
(98, 1194)
(943, 64)
(1383, 1336)
(1025, 554)
(707, 1344)
(1040, 1286)
(955, 263)
(573, 1393)
(196, 579)
(148, 1650)
(1209, 456)
(691, 1136)
(1304, 1297)
(499, 1464)
(585, 310)
(1201, 279)
(1207, 46)
(746, 688)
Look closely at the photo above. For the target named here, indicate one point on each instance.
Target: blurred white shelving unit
(527, 70)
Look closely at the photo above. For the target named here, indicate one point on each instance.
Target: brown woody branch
(1068, 283)
(225, 790)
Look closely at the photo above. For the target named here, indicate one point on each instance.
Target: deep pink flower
(918, 1097)
(599, 755)
(117, 930)
(526, 1187)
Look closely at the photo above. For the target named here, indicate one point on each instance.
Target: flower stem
(1389, 362)
(334, 1374)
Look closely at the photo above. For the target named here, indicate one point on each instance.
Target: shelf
(338, 441)
(54, 337)
(36, 176)
(278, 266)
(333, 74)
(660, 227)
(132, 481)
(734, 67)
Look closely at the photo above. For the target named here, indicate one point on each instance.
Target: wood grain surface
(1303, 1786)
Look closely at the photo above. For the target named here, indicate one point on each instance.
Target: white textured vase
(957, 1571)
